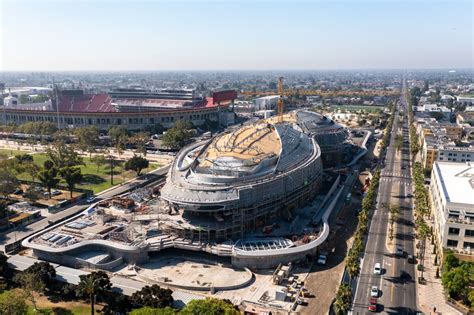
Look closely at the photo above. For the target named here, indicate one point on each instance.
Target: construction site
(250, 198)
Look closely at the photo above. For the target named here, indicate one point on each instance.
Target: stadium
(130, 108)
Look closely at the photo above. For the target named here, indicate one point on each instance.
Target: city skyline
(235, 35)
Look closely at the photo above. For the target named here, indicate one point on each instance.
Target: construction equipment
(280, 99)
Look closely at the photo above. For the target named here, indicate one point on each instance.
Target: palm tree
(93, 285)
(88, 287)
(343, 299)
(353, 267)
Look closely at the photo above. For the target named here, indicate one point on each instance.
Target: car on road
(411, 259)
(374, 291)
(372, 304)
(322, 259)
(399, 251)
(377, 269)
(404, 167)
(91, 199)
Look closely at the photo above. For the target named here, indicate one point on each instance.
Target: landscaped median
(342, 303)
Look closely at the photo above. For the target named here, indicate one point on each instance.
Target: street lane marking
(391, 293)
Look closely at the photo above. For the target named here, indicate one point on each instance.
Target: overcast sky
(235, 35)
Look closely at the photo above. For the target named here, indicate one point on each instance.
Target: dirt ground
(46, 201)
(323, 281)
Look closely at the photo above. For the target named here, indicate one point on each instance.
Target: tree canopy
(153, 296)
(175, 138)
(209, 306)
(137, 164)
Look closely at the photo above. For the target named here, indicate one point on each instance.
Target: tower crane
(280, 99)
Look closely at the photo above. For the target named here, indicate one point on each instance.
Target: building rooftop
(252, 143)
(457, 180)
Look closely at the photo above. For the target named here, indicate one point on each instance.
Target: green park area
(355, 108)
(95, 175)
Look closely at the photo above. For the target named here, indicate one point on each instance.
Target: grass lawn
(359, 107)
(8, 152)
(95, 180)
(45, 306)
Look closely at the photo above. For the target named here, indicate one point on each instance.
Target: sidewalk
(431, 294)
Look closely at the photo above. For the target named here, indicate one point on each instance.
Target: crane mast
(280, 99)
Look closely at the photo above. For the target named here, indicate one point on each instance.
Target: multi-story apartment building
(440, 142)
(452, 201)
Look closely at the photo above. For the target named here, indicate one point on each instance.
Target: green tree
(94, 285)
(31, 284)
(48, 176)
(139, 141)
(209, 306)
(44, 271)
(12, 303)
(72, 176)
(62, 155)
(87, 139)
(118, 138)
(154, 311)
(32, 169)
(5, 270)
(450, 261)
(8, 183)
(457, 281)
(343, 300)
(353, 265)
(176, 137)
(155, 129)
(137, 164)
(153, 296)
(113, 163)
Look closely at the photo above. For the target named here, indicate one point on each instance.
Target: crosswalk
(395, 174)
(405, 181)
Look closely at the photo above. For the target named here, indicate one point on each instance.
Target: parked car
(56, 192)
(18, 191)
(411, 259)
(377, 269)
(374, 291)
(322, 259)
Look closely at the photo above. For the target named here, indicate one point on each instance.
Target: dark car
(411, 259)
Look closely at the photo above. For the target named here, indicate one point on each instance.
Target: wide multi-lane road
(396, 294)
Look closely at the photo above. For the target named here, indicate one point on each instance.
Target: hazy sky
(235, 35)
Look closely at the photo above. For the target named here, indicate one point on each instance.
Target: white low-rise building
(452, 200)
(266, 103)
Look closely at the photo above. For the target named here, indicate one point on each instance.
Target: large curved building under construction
(332, 138)
(242, 180)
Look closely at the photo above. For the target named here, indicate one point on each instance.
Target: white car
(374, 292)
(377, 269)
(322, 260)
